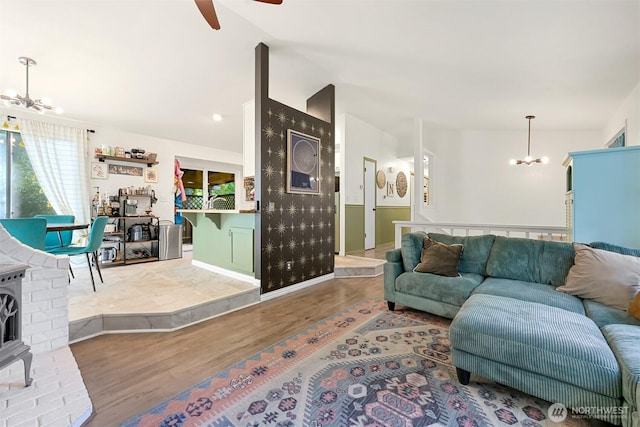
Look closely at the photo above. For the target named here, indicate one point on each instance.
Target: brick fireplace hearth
(57, 395)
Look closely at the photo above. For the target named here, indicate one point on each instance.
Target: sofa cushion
(604, 315)
(537, 338)
(411, 249)
(624, 340)
(529, 260)
(451, 290)
(476, 250)
(532, 292)
(439, 258)
(615, 248)
(607, 277)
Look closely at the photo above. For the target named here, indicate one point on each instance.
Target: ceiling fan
(209, 12)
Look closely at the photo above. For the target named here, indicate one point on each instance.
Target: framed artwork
(389, 189)
(151, 175)
(125, 170)
(249, 188)
(303, 163)
(99, 171)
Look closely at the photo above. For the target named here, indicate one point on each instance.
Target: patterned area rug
(364, 367)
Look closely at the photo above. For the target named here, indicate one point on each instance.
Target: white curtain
(58, 155)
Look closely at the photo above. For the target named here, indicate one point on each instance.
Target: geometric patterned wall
(294, 227)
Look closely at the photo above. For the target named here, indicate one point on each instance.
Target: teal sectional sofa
(511, 324)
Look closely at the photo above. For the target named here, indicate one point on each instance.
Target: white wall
(167, 151)
(477, 185)
(628, 112)
(364, 140)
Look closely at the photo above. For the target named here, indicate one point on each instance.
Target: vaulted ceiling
(155, 67)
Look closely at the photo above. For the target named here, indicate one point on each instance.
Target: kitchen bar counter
(213, 214)
(223, 238)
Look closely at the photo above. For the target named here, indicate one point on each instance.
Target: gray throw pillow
(607, 277)
(439, 258)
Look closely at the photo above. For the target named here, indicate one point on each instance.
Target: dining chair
(95, 240)
(29, 231)
(56, 239)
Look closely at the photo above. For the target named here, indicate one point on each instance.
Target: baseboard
(296, 287)
(228, 273)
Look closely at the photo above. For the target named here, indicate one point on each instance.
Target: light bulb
(217, 117)
(545, 160)
(513, 162)
(528, 159)
(10, 92)
(59, 110)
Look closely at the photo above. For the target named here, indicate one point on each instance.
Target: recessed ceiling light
(217, 117)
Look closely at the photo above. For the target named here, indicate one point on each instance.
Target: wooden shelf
(102, 158)
(130, 242)
(138, 260)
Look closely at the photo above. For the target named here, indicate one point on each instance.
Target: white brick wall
(45, 294)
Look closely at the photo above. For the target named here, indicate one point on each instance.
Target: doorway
(369, 204)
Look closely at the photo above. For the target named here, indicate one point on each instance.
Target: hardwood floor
(126, 374)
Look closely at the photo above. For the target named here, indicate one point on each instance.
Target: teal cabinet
(605, 190)
(223, 239)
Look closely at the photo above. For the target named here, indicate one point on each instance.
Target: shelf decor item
(303, 163)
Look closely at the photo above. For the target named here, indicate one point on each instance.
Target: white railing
(456, 229)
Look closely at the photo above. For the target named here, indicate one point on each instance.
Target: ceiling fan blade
(271, 1)
(209, 12)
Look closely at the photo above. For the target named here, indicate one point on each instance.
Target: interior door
(369, 204)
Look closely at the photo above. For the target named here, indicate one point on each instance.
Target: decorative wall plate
(381, 179)
(401, 184)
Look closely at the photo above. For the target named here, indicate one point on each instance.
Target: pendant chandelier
(529, 160)
(12, 98)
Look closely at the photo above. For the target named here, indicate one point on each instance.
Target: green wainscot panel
(385, 215)
(354, 228)
(224, 240)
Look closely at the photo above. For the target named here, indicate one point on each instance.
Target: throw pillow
(607, 277)
(439, 258)
(634, 308)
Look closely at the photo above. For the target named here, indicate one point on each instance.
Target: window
(22, 194)
(618, 140)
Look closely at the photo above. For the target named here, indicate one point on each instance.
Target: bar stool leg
(93, 283)
(95, 259)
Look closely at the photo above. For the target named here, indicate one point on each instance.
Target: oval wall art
(401, 184)
(381, 179)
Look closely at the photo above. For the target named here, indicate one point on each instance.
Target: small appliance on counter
(135, 233)
(109, 254)
(130, 207)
